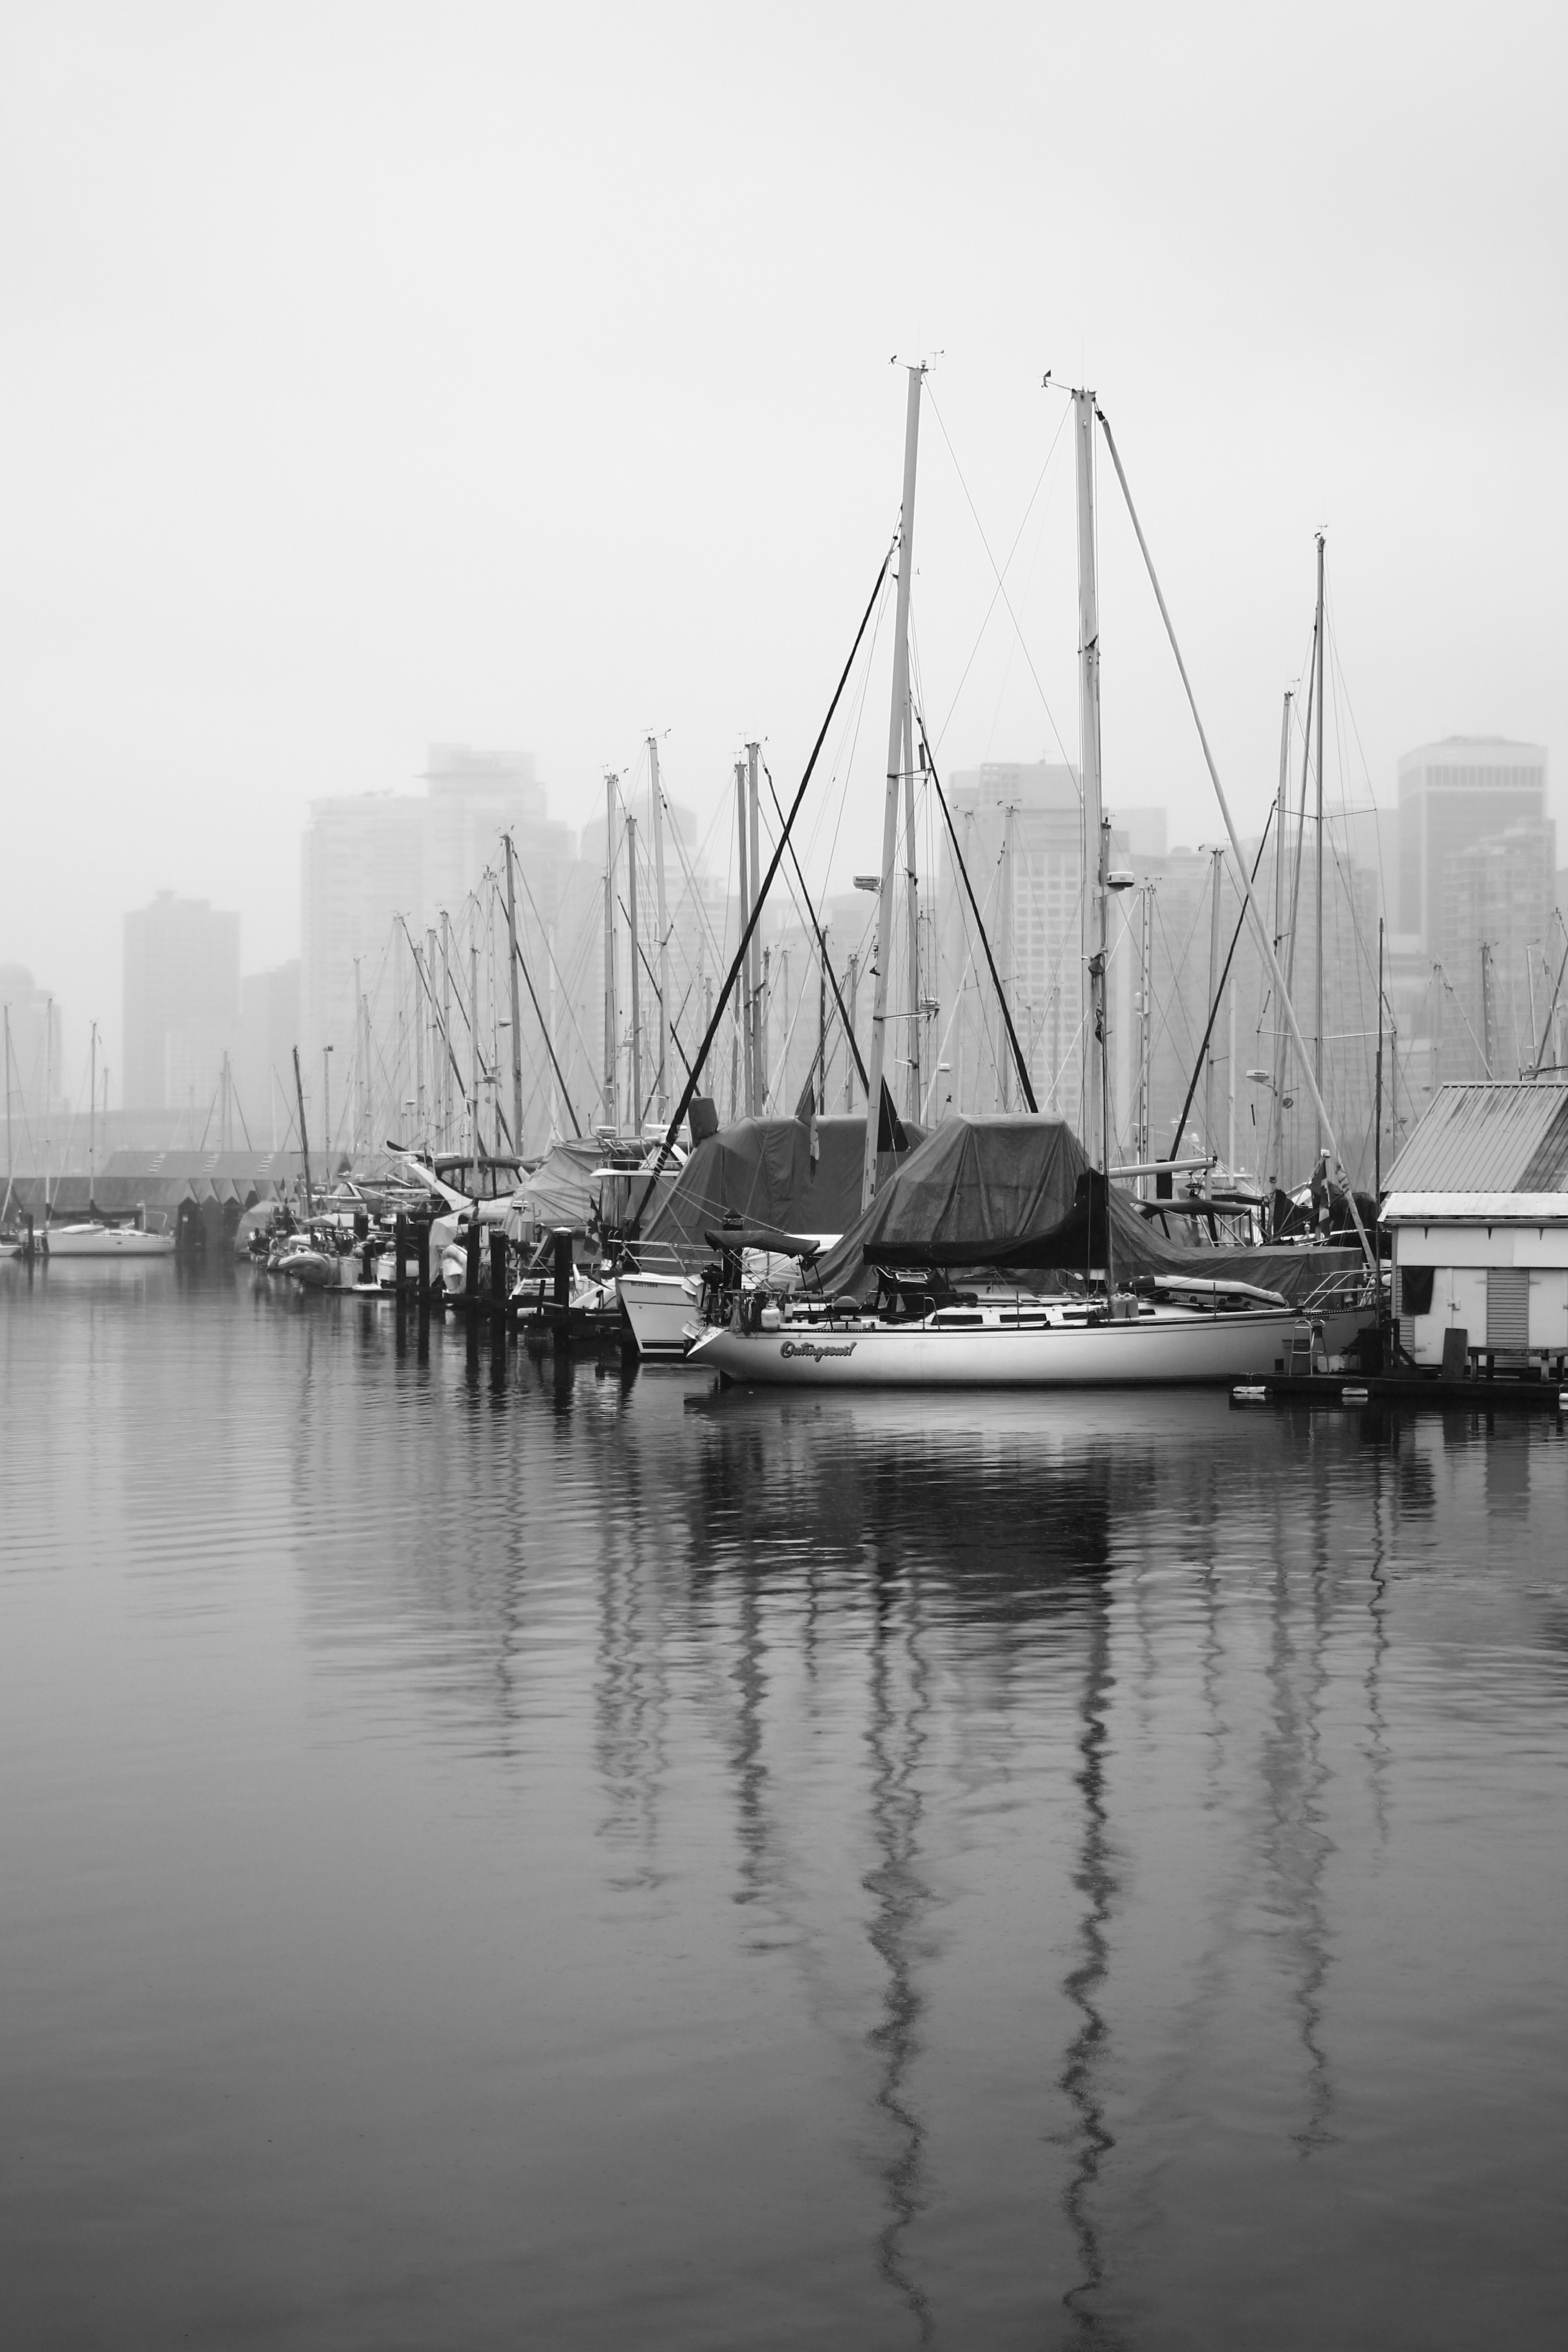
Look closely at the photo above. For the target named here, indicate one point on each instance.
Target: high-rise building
(1020, 832)
(1477, 858)
(1453, 795)
(182, 1001)
(263, 1071)
(367, 861)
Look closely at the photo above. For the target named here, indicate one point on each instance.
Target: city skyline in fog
(377, 381)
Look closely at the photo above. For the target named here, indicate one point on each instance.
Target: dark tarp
(1077, 1242)
(762, 1170)
(1018, 1195)
(972, 1181)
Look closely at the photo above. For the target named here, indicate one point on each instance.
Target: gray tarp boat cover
(558, 1192)
(1018, 1195)
(569, 1184)
(762, 1172)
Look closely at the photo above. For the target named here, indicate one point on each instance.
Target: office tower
(368, 860)
(263, 1065)
(180, 1003)
(1020, 832)
(1477, 858)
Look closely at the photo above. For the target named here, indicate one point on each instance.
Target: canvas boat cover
(570, 1186)
(781, 1175)
(1018, 1195)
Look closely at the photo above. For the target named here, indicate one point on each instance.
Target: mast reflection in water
(495, 1844)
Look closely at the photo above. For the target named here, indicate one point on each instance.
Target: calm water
(489, 1858)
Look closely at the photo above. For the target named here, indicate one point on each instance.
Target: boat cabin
(1477, 1205)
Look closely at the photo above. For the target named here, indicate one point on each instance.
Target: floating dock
(1433, 1393)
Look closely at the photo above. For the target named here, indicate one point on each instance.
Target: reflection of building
(33, 1080)
(181, 1001)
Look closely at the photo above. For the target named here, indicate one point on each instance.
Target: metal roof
(1502, 1137)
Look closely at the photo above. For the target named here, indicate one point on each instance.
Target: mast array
(897, 721)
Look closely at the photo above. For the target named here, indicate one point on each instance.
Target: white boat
(659, 1308)
(1013, 1342)
(98, 1241)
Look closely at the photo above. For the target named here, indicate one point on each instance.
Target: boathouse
(1477, 1206)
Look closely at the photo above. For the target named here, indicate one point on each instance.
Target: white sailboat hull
(659, 1308)
(1167, 1348)
(106, 1241)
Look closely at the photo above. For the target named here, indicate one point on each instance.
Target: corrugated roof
(1488, 1138)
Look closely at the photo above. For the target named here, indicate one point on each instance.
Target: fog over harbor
(375, 382)
(783, 1239)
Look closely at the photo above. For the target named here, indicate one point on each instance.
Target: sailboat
(924, 1333)
(94, 1236)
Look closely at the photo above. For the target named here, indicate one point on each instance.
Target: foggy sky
(520, 377)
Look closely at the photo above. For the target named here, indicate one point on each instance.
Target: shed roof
(1492, 1137)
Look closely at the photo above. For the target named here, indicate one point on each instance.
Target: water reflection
(1083, 2075)
(895, 1736)
(938, 1823)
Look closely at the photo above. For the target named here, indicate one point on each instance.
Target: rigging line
(1464, 1016)
(1289, 1009)
(1012, 552)
(990, 959)
(821, 942)
(1001, 586)
(853, 720)
(549, 1040)
(642, 958)
(713, 1026)
(555, 964)
(435, 1010)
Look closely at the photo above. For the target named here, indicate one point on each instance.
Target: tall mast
(1095, 915)
(612, 1015)
(419, 980)
(10, 1161)
(632, 961)
(360, 1119)
(744, 1001)
(759, 995)
(912, 1092)
(446, 1031)
(554, 1078)
(92, 1110)
(1318, 1039)
(1217, 862)
(1377, 1096)
(474, 1145)
(327, 1113)
(661, 917)
(1146, 1021)
(822, 1025)
(897, 716)
(516, 1002)
(850, 995)
(1281, 893)
(304, 1137)
(1005, 960)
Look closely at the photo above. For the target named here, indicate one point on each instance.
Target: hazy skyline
(378, 377)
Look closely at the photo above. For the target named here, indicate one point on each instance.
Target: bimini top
(1493, 1150)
